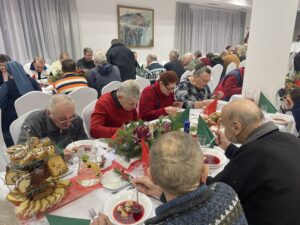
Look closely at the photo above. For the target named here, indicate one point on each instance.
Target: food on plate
(45, 141)
(103, 161)
(40, 153)
(50, 149)
(28, 158)
(12, 176)
(23, 183)
(128, 212)
(124, 176)
(86, 148)
(16, 197)
(57, 166)
(39, 175)
(43, 193)
(211, 159)
(33, 142)
(15, 148)
(215, 116)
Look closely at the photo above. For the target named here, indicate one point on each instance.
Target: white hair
(130, 89)
(100, 57)
(59, 98)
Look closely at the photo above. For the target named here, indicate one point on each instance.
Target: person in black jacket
(87, 62)
(264, 171)
(174, 64)
(122, 57)
(4, 76)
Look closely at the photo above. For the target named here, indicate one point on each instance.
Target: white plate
(128, 195)
(217, 153)
(113, 181)
(81, 142)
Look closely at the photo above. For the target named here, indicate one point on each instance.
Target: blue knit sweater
(214, 204)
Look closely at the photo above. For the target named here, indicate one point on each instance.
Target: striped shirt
(68, 83)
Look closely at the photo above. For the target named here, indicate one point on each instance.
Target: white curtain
(212, 29)
(31, 28)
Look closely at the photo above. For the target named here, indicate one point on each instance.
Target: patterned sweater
(68, 83)
(188, 93)
(214, 204)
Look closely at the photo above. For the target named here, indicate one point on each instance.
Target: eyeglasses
(67, 120)
(170, 89)
(204, 81)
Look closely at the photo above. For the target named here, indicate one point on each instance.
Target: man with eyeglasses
(58, 122)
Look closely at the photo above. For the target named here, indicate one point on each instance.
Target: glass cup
(89, 172)
(140, 169)
(250, 94)
(202, 141)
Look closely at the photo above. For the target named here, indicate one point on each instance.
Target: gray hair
(59, 98)
(39, 59)
(130, 89)
(100, 57)
(199, 71)
(241, 50)
(152, 57)
(174, 54)
(176, 162)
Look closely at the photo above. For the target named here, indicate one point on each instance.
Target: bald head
(187, 58)
(240, 118)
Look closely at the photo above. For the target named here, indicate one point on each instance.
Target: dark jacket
(265, 174)
(122, 57)
(175, 66)
(205, 205)
(9, 113)
(297, 62)
(83, 64)
(102, 75)
(296, 114)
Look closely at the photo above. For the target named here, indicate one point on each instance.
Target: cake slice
(23, 183)
(57, 166)
(45, 204)
(22, 207)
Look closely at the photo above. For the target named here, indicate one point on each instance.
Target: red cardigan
(109, 116)
(152, 105)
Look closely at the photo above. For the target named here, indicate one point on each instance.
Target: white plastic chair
(230, 67)
(30, 101)
(86, 116)
(142, 82)
(82, 97)
(114, 85)
(16, 126)
(235, 97)
(216, 73)
(242, 64)
(185, 75)
(3, 163)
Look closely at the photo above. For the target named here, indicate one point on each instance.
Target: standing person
(103, 73)
(87, 62)
(264, 170)
(122, 57)
(4, 76)
(175, 64)
(10, 91)
(38, 69)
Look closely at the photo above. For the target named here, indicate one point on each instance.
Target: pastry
(45, 204)
(45, 141)
(18, 156)
(16, 197)
(28, 158)
(40, 153)
(37, 205)
(12, 176)
(44, 193)
(63, 183)
(23, 183)
(22, 207)
(15, 148)
(50, 149)
(37, 176)
(34, 142)
(51, 199)
(56, 166)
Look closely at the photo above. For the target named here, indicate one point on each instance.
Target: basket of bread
(34, 173)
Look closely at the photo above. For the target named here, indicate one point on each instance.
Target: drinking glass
(250, 94)
(202, 141)
(89, 172)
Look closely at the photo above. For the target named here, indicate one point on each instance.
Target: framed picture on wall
(136, 26)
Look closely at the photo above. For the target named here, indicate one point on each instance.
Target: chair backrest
(86, 116)
(216, 73)
(30, 101)
(16, 126)
(185, 74)
(235, 97)
(242, 64)
(230, 67)
(82, 97)
(142, 82)
(3, 163)
(114, 85)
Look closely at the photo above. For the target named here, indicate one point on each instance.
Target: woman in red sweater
(158, 99)
(114, 109)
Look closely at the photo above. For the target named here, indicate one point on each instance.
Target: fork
(92, 213)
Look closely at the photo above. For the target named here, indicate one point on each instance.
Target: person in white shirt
(56, 65)
(38, 69)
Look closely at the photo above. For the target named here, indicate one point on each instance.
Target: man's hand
(177, 104)
(221, 140)
(171, 110)
(146, 186)
(68, 154)
(101, 219)
(201, 104)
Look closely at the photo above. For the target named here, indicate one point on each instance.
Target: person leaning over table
(158, 99)
(188, 200)
(4, 76)
(58, 122)
(264, 170)
(193, 90)
(114, 109)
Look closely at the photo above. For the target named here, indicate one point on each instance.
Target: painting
(136, 26)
